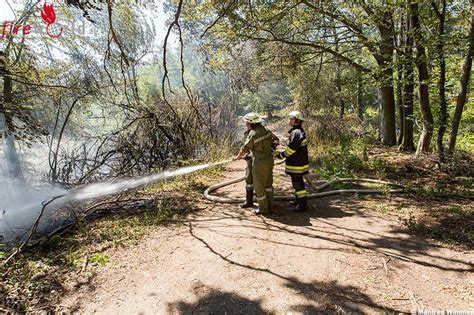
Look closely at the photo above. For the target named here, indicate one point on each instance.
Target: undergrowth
(337, 152)
(37, 275)
(454, 226)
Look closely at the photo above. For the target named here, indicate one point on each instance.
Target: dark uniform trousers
(298, 186)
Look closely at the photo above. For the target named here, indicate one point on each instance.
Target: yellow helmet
(296, 114)
(252, 118)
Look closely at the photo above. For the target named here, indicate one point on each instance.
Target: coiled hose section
(318, 189)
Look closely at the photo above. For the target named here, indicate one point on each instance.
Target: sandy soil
(340, 256)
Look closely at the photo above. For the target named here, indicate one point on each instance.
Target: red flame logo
(47, 14)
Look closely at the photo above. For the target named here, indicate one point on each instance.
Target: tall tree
(423, 77)
(338, 75)
(464, 86)
(11, 155)
(380, 15)
(10, 56)
(384, 22)
(408, 86)
(441, 15)
(360, 102)
(400, 83)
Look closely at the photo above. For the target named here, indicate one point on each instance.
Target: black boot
(248, 199)
(302, 205)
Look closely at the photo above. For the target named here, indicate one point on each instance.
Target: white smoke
(21, 204)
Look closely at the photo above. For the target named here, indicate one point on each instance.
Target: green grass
(344, 159)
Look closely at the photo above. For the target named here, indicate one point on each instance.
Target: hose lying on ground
(207, 192)
(318, 189)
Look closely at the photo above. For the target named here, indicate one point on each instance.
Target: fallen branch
(385, 265)
(32, 230)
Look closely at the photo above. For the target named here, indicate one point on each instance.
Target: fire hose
(318, 193)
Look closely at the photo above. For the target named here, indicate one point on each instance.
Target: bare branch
(33, 229)
(114, 35)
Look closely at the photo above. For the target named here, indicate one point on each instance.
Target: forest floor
(347, 254)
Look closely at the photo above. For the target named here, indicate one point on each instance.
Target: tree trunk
(421, 65)
(462, 96)
(442, 78)
(339, 91)
(11, 155)
(407, 142)
(408, 88)
(360, 103)
(338, 76)
(388, 136)
(384, 60)
(400, 83)
(401, 111)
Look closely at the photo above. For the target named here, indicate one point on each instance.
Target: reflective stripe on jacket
(296, 152)
(259, 141)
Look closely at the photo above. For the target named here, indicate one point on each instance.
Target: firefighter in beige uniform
(259, 142)
(248, 177)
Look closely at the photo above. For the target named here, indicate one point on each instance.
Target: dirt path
(224, 260)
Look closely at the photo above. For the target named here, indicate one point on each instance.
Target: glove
(280, 156)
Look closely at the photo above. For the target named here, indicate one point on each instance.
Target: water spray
(97, 190)
(23, 214)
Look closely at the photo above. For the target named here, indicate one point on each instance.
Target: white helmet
(252, 118)
(296, 114)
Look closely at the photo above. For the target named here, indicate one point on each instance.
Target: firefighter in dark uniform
(297, 164)
(259, 142)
